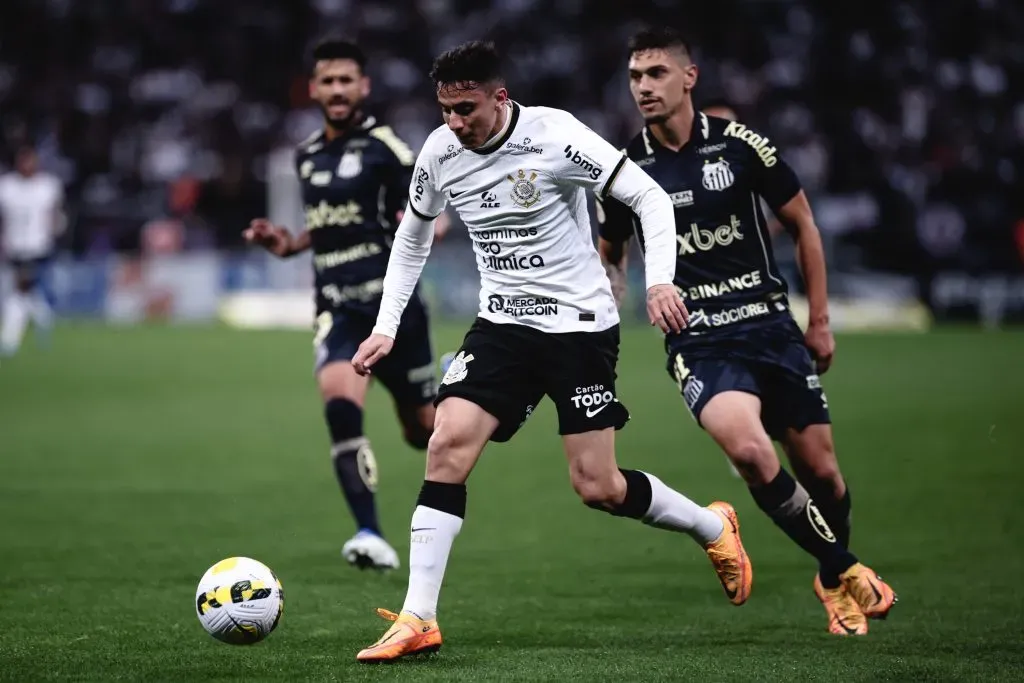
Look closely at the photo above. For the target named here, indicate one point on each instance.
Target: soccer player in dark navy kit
(745, 370)
(355, 177)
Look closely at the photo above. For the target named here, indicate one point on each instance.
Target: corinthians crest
(524, 192)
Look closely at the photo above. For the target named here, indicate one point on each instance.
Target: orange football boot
(409, 635)
(844, 615)
(728, 556)
(874, 596)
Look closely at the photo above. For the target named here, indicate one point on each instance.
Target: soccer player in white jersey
(517, 176)
(30, 219)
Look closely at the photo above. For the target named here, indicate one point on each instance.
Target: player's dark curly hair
(474, 62)
(336, 48)
(659, 38)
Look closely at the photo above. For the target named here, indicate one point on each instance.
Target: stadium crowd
(904, 118)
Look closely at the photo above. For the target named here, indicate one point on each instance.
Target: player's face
(472, 111)
(661, 81)
(27, 162)
(339, 87)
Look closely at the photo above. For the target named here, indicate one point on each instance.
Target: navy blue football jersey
(725, 267)
(352, 188)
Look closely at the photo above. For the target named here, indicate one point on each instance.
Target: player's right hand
(665, 308)
(274, 239)
(373, 348)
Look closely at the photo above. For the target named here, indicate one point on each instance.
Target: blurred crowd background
(903, 118)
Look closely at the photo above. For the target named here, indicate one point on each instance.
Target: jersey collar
(513, 119)
(700, 129)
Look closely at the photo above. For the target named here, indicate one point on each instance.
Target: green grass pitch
(133, 459)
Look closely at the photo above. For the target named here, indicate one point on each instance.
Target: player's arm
(781, 189)
(276, 239)
(591, 162)
(614, 231)
(409, 253)
(798, 219)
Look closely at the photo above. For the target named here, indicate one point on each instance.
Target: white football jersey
(523, 200)
(28, 209)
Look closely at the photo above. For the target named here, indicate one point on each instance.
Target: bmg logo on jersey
(594, 399)
(421, 178)
(699, 239)
(583, 161)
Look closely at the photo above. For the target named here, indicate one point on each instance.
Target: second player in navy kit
(355, 177)
(744, 368)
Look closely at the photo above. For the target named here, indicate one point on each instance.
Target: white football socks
(433, 533)
(673, 511)
(16, 313)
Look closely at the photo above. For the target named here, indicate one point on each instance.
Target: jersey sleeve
(774, 179)
(587, 159)
(425, 199)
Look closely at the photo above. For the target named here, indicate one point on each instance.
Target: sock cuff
(778, 492)
(450, 498)
(639, 494)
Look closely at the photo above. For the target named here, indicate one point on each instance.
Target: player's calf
(733, 419)
(354, 463)
(811, 453)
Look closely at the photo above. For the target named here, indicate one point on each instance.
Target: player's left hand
(666, 309)
(822, 344)
(373, 348)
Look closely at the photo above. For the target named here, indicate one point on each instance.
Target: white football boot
(368, 550)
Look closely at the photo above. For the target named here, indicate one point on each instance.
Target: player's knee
(602, 493)
(755, 459)
(444, 450)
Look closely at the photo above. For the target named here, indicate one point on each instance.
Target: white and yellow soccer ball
(239, 601)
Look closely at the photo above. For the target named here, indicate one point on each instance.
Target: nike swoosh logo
(389, 637)
(425, 629)
(874, 588)
(425, 528)
(851, 631)
(453, 195)
(591, 412)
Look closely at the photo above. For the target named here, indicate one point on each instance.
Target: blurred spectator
(904, 118)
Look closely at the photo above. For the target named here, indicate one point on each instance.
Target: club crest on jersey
(350, 165)
(524, 193)
(717, 175)
(457, 371)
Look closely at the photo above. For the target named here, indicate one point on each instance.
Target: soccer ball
(239, 601)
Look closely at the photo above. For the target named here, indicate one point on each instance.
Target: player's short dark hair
(336, 48)
(474, 62)
(659, 38)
